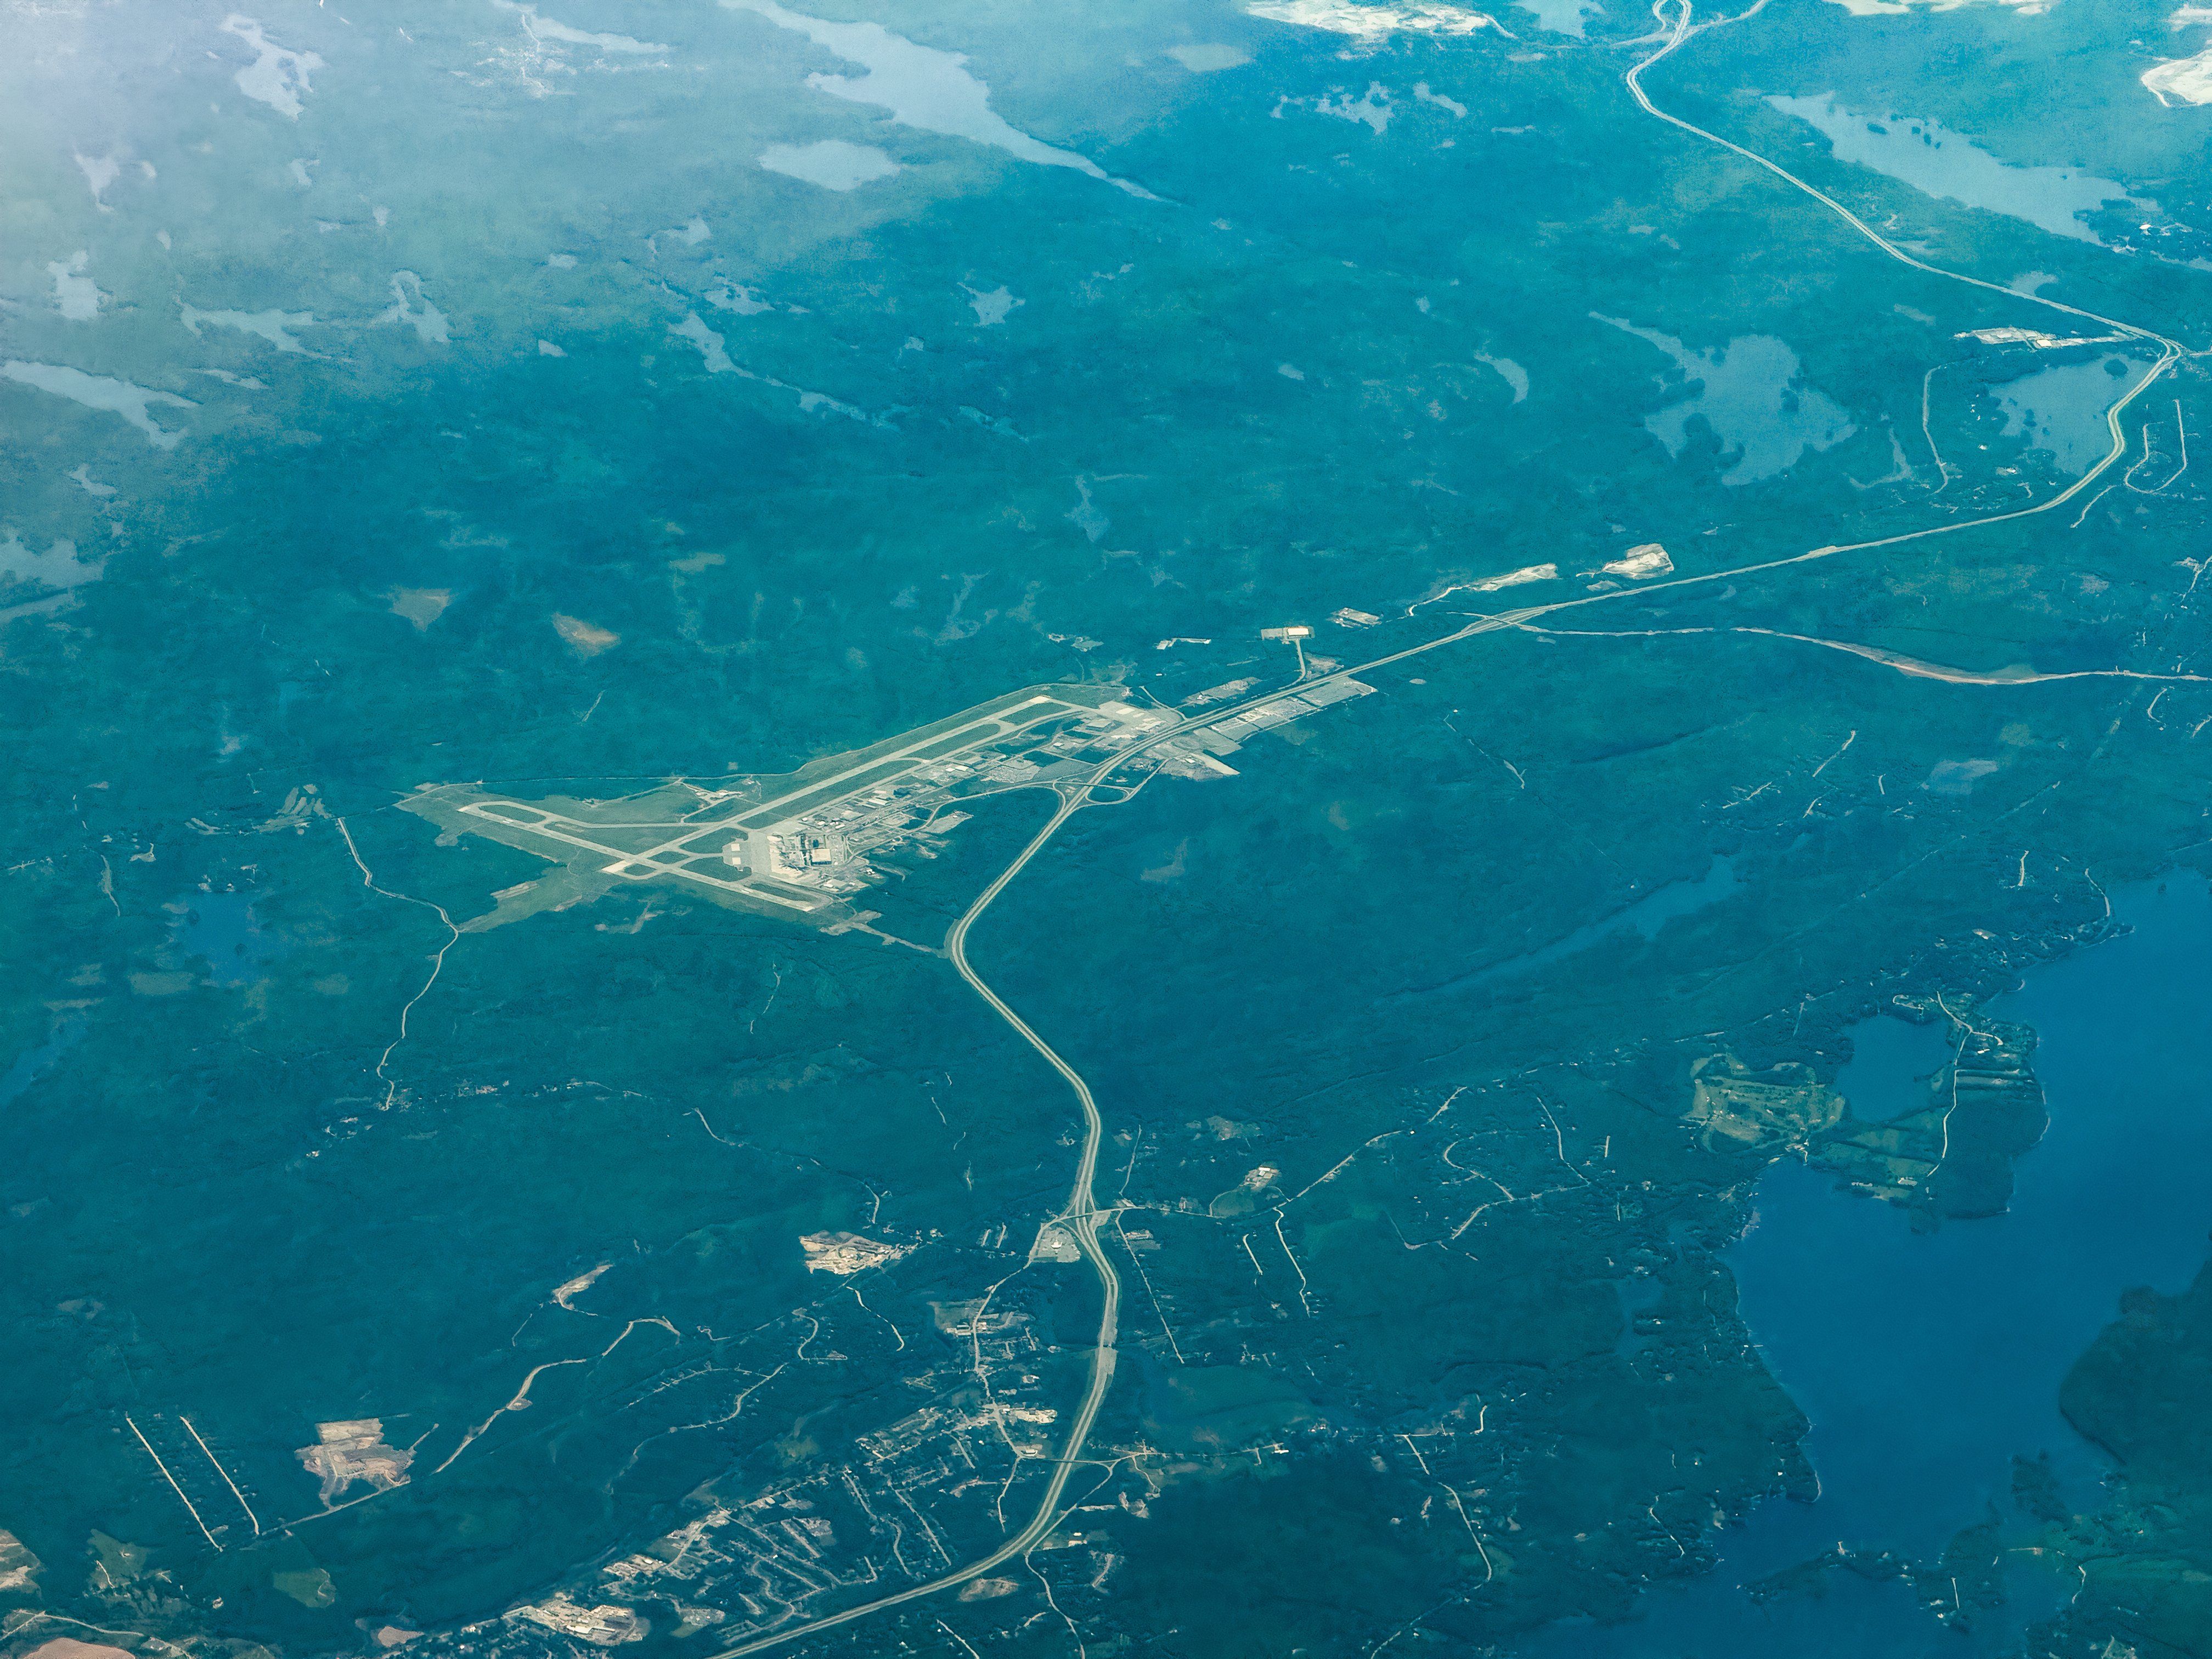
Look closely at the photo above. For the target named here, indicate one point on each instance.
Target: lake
(1925, 1361)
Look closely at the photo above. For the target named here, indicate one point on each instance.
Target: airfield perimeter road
(1081, 1216)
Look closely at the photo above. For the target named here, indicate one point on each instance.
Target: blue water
(220, 929)
(1644, 918)
(35, 1063)
(1891, 1062)
(1749, 394)
(1924, 1362)
(2062, 408)
(1938, 162)
(1560, 17)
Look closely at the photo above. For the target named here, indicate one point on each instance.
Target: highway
(1681, 31)
(1081, 1215)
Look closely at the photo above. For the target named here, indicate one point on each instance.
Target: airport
(799, 845)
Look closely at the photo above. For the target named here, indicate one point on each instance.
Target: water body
(1510, 372)
(921, 87)
(35, 1063)
(832, 163)
(1748, 394)
(1939, 162)
(220, 929)
(542, 29)
(1926, 1361)
(1209, 59)
(101, 392)
(1560, 17)
(2062, 408)
(1645, 918)
(1890, 1059)
(59, 566)
(274, 326)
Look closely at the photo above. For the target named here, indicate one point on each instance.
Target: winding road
(1081, 1216)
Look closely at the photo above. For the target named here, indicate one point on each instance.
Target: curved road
(1082, 1215)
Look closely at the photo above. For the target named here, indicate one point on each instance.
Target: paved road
(1081, 1216)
